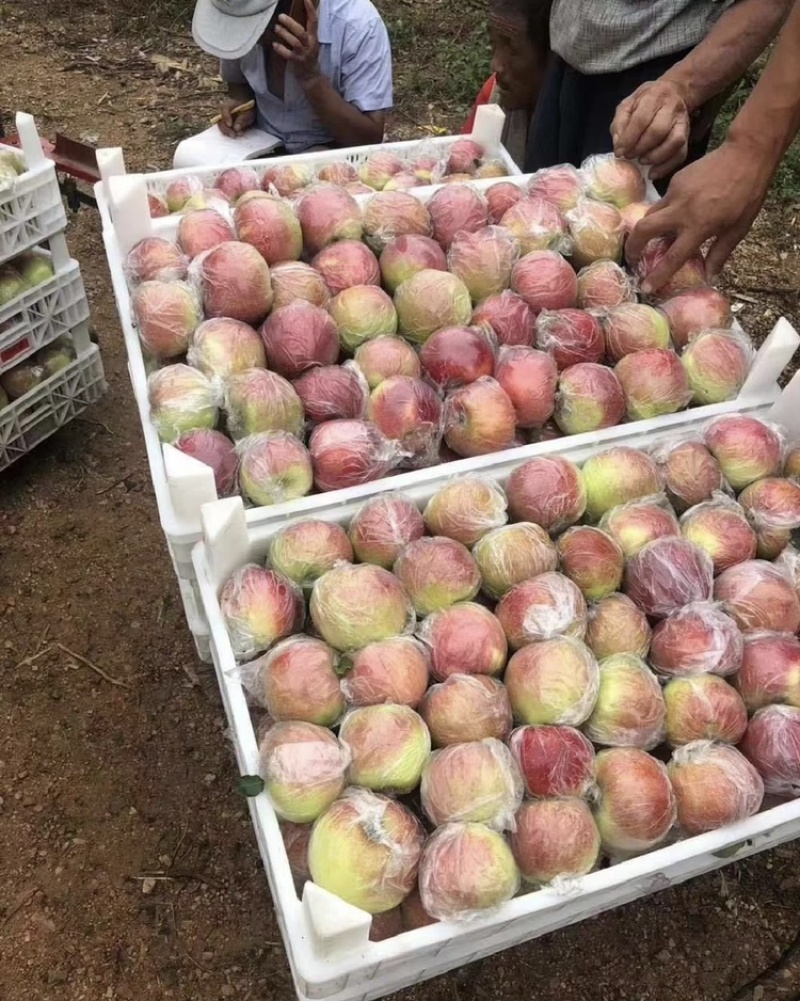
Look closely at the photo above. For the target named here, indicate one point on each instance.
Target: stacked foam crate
(49, 369)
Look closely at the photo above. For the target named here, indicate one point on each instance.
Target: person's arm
(654, 123)
(239, 93)
(347, 123)
(719, 197)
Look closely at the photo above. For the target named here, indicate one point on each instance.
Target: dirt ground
(128, 865)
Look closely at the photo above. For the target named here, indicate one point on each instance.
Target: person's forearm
(732, 45)
(347, 125)
(241, 92)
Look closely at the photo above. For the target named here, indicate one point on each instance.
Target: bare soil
(128, 866)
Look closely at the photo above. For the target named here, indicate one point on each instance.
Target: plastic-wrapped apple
(604, 285)
(287, 178)
(633, 213)
(714, 785)
(691, 275)
(297, 680)
(699, 638)
(466, 707)
(347, 263)
(758, 595)
(362, 312)
(555, 838)
(667, 574)
(553, 760)
(770, 671)
(366, 849)
(222, 347)
(429, 301)
(717, 363)
(456, 209)
(379, 167)
(539, 609)
(553, 682)
(274, 467)
(589, 398)
(395, 670)
(257, 400)
(304, 769)
(403, 181)
(408, 411)
(630, 710)
(166, 315)
(235, 181)
(395, 213)
(381, 358)
(456, 356)
(437, 573)
(771, 542)
(328, 213)
(529, 379)
(654, 382)
(510, 317)
(215, 450)
(353, 605)
(511, 554)
(333, 392)
(208, 198)
(466, 869)
(270, 225)
(561, 185)
(791, 466)
(466, 509)
(156, 259)
(465, 638)
(699, 309)
(383, 526)
(592, 560)
(404, 256)
(545, 280)
(500, 197)
(483, 260)
(259, 607)
(536, 224)
(181, 399)
(181, 190)
(389, 746)
(691, 473)
(616, 476)
(234, 281)
(307, 549)
(772, 503)
(549, 491)
(636, 807)
(615, 625)
(572, 336)
(465, 157)
(292, 280)
(746, 448)
(703, 707)
(610, 179)
(637, 523)
(157, 205)
(479, 418)
(340, 172)
(720, 527)
(476, 781)
(597, 232)
(346, 453)
(772, 744)
(632, 327)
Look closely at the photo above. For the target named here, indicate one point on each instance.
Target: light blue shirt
(354, 54)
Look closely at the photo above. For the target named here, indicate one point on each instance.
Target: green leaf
(251, 785)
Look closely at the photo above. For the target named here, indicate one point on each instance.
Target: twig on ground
(92, 667)
(782, 988)
(20, 902)
(116, 483)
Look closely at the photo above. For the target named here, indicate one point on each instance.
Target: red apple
(746, 448)
(553, 760)
(691, 473)
(615, 625)
(667, 574)
(572, 336)
(536, 224)
(346, 453)
(511, 554)
(456, 356)
(704, 707)
(345, 264)
(539, 609)
(696, 639)
(529, 379)
(770, 671)
(394, 670)
(589, 398)
(720, 527)
(300, 336)
(383, 526)
(544, 279)
(772, 744)
(549, 491)
(297, 680)
(554, 839)
(629, 711)
(464, 639)
(510, 317)
(466, 707)
(382, 357)
(654, 383)
(259, 607)
(637, 806)
(604, 285)
(698, 309)
(333, 392)
(553, 682)
(466, 509)
(437, 573)
(714, 786)
(758, 595)
(479, 418)
(638, 523)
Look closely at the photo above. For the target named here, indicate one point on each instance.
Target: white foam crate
(55, 402)
(50, 310)
(31, 209)
(327, 940)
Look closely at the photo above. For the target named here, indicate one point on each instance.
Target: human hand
(716, 198)
(299, 46)
(234, 125)
(652, 126)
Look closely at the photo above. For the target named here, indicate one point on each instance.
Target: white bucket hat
(229, 29)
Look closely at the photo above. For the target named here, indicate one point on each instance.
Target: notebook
(212, 148)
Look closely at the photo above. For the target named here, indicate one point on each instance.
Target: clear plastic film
(479, 418)
(589, 398)
(630, 710)
(382, 357)
(455, 356)
(201, 229)
(208, 199)
(404, 256)
(269, 224)
(328, 213)
(389, 746)
(717, 363)
(634, 326)
(510, 317)
(698, 638)
(464, 639)
(553, 683)
(339, 172)
(562, 185)
(408, 412)
(608, 178)
(772, 744)
(362, 312)
(483, 260)
(156, 259)
(298, 337)
(639, 522)
(636, 806)
(554, 840)
(465, 156)
(714, 785)
(295, 841)
(720, 527)
(604, 285)
(436, 573)
(616, 476)
(770, 671)
(772, 504)
(181, 399)
(237, 181)
(592, 559)
(215, 450)
(465, 708)
(539, 609)
(395, 670)
(383, 526)
(500, 197)
(287, 179)
(347, 263)
(554, 761)
(293, 280)
(691, 473)
(379, 168)
(510, 554)
(689, 313)
(346, 453)
(305, 550)
(654, 382)
(537, 224)
(333, 392)
(703, 707)
(615, 625)
(572, 336)
(223, 347)
(455, 209)
(233, 280)
(258, 400)
(548, 491)
(529, 378)
(430, 300)
(466, 509)
(274, 467)
(759, 595)
(21, 379)
(180, 190)
(667, 574)
(746, 448)
(166, 315)
(390, 214)
(789, 563)
(597, 230)
(691, 275)
(259, 607)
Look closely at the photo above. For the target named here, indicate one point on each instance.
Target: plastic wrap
(529, 378)
(201, 229)
(274, 467)
(703, 707)
(611, 179)
(555, 761)
(720, 527)
(233, 280)
(759, 595)
(404, 256)
(430, 300)
(181, 399)
(615, 625)
(457, 356)
(215, 450)
(353, 605)
(545, 281)
(258, 400)
(346, 453)
(157, 206)
(636, 806)
(466, 509)
(333, 392)
(260, 607)
(635, 524)
(500, 197)
(379, 167)
(597, 232)
(745, 447)
(437, 573)
(691, 275)
(548, 491)
(561, 185)
(382, 528)
(270, 225)
(691, 473)
(698, 638)
(295, 841)
(483, 260)
(347, 263)
(555, 839)
(307, 549)
(287, 178)
(537, 224)
(772, 744)
(298, 337)
(667, 574)
(28, 374)
(395, 213)
(510, 317)
(617, 476)
(466, 871)
(592, 559)
(293, 280)
(770, 671)
(589, 398)
(180, 190)
(714, 786)
(717, 363)
(553, 683)
(362, 312)
(12, 283)
(633, 327)
(772, 504)
(479, 419)
(465, 638)
(166, 315)
(340, 172)
(699, 309)
(604, 285)
(654, 382)
(156, 259)
(511, 554)
(414, 914)
(474, 782)
(328, 214)
(572, 336)
(236, 181)
(222, 347)
(404, 180)
(455, 209)
(465, 708)
(791, 465)
(208, 198)
(389, 745)
(465, 156)
(409, 412)
(395, 670)
(630, 710)
(366, 849)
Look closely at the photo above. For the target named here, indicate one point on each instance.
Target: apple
(633, 327)
(436, 573)
(548, 491)
(772, 504)
(746, 448)
(408, 411)
(222, 347)
(615, 625)
(511, 554)
(457, 208)
(510, 317)
(691, 473)
(166, 315)
(327, 214)
(637, 523)
(562, 185)
(465, 509)
(611, 179)
(654, 383)
(333, 392)
(529, 379)
(383, 526)
(155, 259)
(553, 682)
(483, 260)
(691, 275)
(772, 744)
(544, 280)
(237, 181)
(720, 527)
(592, 560)
(270, 225)
(717, 363)
(395, 670)
(346, 453)
(547, 606)
(307, 549)
(293, 280)
(699, 309)
(589, 398)
(287, 179)
(347, 263)
(382, 357)
(604, 285)
(572, 336)
(297, 680)
(465, 156)
(180, 190)
(555, 761)
(617, 476)
(404, 256)
(465, 638)
(352, 606)
(636, 806)
(362, 312)
(630, 710)
(389, 746)
(466, 707)
(456, 356)
(770, 671)
(703, 707)
(699, 638)
(274, 467)
(395, 213)
(430, 300)
(536, 224)
(500, 197)
(181, 398)
(714, 786)
(304, 769)
(215, 450)
(479, 418)
(555, 838)
(257, 400)
(597, 232)
(758, 595)
(233, 280)
(259, 607)
(298, 337)
(667, 574)
(379, 168)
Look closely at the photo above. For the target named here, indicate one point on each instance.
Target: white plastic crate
(326, 939)
(31, 209)
(50, 310)
(52, 404)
